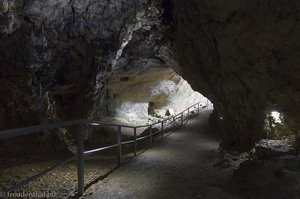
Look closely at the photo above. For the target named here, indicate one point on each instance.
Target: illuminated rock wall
(159, 89)
(56, 57)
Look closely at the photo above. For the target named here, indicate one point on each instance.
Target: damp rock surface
(266, 149)
(57, 58)
(243, 56)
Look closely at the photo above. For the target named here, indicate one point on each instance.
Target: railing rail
(81, 127)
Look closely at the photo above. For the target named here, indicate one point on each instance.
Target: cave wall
(244, 56)
(143, 76)
(146, 94)
(55, 55)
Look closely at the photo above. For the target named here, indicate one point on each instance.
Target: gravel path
(180, 166)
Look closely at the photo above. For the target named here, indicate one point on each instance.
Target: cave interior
(141, 61)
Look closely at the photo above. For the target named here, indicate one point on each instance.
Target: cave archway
(151, 92)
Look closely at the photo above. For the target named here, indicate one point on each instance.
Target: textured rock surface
(148, 92)
(278, 178)
(267, 149)
(244, 56)
(142, 76)
(56, 55)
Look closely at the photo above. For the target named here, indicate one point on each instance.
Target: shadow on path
(180, 166)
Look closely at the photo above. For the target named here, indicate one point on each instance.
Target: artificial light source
(276, 116)
(94, 124)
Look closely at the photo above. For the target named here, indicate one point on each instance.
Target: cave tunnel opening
(149, 94)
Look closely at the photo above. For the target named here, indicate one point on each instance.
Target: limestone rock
(56, 55)
(267, 149)
(169, 112)
(271, 178)
(244, 56)
(147, 91)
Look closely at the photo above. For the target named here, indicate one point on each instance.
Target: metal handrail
(35, 129)
(82, 124)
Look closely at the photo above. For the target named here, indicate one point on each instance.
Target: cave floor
(187, 164)
(180, 166)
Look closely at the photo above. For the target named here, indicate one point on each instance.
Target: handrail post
(119, 141)
(188, 112)
(198, 107)
(162, 129)
(135, 141)
(150, 131)
(80, 158)
(174, 120)
(181, 119)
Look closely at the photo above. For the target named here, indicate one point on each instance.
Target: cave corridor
(219, 81)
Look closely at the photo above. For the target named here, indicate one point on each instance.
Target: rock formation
(244, 56)
(57, 57)
(62, 60)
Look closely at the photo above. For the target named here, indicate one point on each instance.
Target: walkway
(181, 166)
